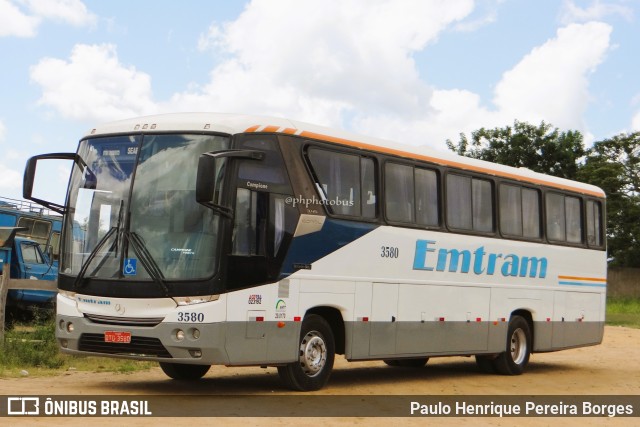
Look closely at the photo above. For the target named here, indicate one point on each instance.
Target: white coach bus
(202, 239)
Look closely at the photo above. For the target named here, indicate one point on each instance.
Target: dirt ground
(612, 368)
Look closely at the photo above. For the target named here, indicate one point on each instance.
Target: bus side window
(339, 179)
(368, 178)
(249, 231)
(594, 223)
(399, 193)
(564, 219)
(426, 184)
(259, 223)
(519, 211)
(469, 203)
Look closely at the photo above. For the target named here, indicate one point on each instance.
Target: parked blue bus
(37, 247)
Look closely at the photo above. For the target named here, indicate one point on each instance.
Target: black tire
(518, 349)
(181, 371)
(417, 362)
(486, 363)
(316, 355)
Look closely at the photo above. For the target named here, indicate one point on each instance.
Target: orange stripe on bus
(253, 128)
(589, 279)
(443, 162)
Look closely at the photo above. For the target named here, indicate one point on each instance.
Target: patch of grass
(33, 348)
(623, 311)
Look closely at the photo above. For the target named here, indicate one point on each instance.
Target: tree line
(612, 164)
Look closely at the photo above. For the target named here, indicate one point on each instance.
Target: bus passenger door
(384, 307)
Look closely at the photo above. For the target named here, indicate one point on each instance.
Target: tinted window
(510, 210)
(519, 211)
(530, 213)
(368, 173)
(459, 202)
(594, 223)
(426, 197)
(469, 203)
(482, 199)
(346, 182)
(564, 221)
(268, 170)
(399, 193)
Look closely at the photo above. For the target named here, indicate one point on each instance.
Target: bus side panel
(577, 319)
(384, 313)
(358, 329)
(440, 319)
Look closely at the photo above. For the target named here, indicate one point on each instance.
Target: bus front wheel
(180, 371)
(516, 357)
(316, 352)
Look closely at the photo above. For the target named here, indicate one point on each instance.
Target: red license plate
(117, 337)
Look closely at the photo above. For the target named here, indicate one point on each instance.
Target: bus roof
(236, 123)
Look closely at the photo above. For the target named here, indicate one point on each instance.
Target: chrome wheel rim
(313, 354)
(518, 346)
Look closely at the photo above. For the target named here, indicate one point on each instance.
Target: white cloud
(2, 131)
(19, 23)
(13, 22)
(339, 64)
(598, 10)
(11, 179)
(326, 60)
(93, 85)
(73, 12)
(551, 82)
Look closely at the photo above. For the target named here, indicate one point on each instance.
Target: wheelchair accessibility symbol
(130, 267)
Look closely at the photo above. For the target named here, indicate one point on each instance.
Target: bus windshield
(137, 217)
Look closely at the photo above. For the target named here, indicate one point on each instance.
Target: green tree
(614, 165)
(540, 148)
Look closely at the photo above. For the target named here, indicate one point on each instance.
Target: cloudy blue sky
(414, 71)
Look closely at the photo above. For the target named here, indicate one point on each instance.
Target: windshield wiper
(92, 255)
(146, 259)
(99, 245)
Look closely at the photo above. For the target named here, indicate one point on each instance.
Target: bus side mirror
(30, 175)
(206, 180)
(211, 173)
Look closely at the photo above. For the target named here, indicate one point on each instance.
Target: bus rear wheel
(516, 357)
(181, 371)
(316, 353)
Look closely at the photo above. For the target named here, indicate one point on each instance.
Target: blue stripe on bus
(599, 285)
(311, 247)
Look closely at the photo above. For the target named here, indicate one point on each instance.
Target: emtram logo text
(477, 262)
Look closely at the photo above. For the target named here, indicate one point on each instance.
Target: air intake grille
(139, 346)
(126, 321)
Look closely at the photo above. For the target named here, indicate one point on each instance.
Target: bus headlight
(67, 294)
(179, 335)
